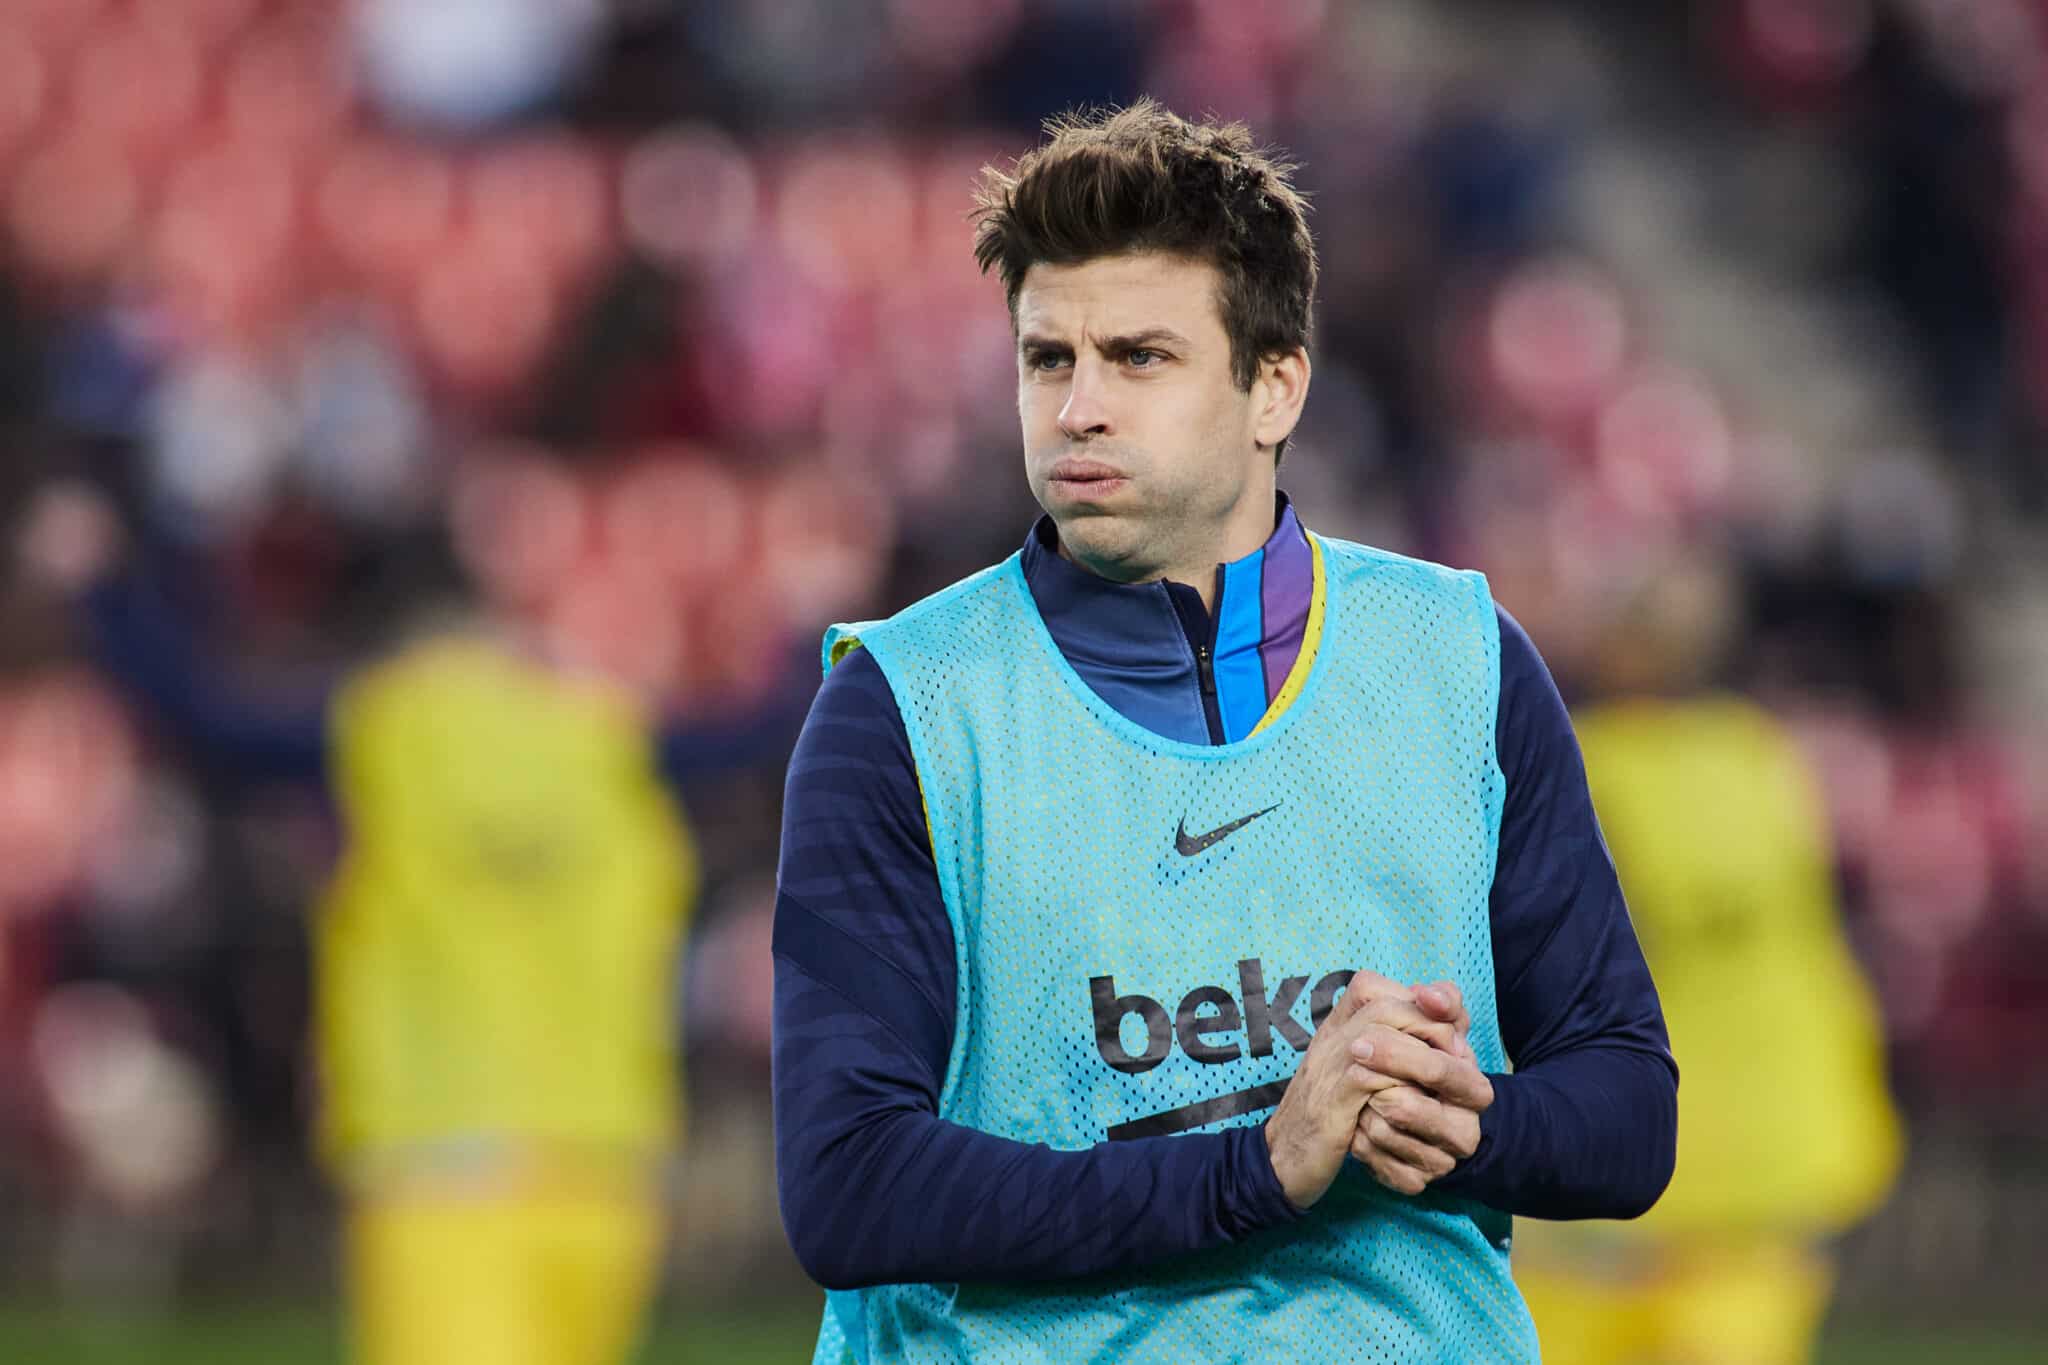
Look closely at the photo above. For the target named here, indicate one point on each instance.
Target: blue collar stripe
(1240, 627)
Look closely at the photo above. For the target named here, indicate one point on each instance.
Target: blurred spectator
(495, 961)
(1786, 1133)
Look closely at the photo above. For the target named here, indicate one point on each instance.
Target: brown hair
(1146, 179)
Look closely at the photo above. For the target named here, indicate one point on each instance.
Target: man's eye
(1046, 361)
(1143, 359)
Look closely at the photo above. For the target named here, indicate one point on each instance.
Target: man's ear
(1278, 390)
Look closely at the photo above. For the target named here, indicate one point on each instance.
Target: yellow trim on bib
(1311, 640)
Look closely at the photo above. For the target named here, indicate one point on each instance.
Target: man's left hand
(1425, 1120)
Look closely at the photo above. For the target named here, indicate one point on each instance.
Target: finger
(1404, 1147)
(1421, 1115)
(1364, 1082)
(1377, 987)
(1389, 1170)
(1453, 1079)
(1397, 1014)
(1365, 1148)
(1398, 1178)
(1363, 988)
(1443, 1000)
(1348, 1003)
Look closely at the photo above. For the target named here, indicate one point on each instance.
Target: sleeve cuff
(1255, 1199)
(1474, 1177)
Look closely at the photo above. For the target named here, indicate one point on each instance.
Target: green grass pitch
(766, 1334)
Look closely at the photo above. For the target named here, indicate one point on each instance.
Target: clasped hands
(1389, 1079)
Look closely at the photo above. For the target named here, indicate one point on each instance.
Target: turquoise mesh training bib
(1147, 931)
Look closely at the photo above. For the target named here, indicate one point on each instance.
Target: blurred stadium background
(656, 319)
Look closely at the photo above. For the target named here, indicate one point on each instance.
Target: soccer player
(494, 963)
(1100, 868)
(1789, 1135)
(495, 1022)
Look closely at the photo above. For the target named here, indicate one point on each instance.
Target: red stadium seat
(1557, 337)
(206, 22)
(945, 235)
(137, 83)
(285, 83)
(75, 206)
(386, 207)
(485, 309)
(520, 522)
(223, 242)
(67, 772)
(822, 540)
(1663, 443)
(58, 23)
(675, 517)
(618, 627)
(24, 89)
(844, 213)
(550, 189)
(689, 194)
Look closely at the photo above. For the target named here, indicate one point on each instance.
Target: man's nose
(1086, 411)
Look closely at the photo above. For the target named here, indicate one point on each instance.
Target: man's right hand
(1311, 1131)
(1413, 1134)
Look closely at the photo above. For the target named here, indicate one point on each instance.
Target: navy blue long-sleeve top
(876, 1188)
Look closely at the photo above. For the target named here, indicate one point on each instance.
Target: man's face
(1136, 439)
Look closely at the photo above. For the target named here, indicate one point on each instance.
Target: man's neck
(1245, 536)
(1203, 675)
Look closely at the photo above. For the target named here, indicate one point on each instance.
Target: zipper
(1199, 626)
(1205, 673)
(1205, 665)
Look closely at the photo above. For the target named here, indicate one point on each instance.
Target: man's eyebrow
(1150, 336)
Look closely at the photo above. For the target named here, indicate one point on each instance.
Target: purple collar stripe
(1261, 618)
(1284, 589)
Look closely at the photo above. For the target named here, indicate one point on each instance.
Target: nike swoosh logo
(1188, 845)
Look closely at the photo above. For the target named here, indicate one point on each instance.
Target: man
(1789, 1136)
(1080, 854)
(495, 1007)
(494, 959)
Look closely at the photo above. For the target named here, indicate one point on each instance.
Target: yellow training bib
(1784, 1120)
(496, 957)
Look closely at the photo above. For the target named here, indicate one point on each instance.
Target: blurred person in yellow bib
(1788, 1135)
(495, 961)
(494, 994)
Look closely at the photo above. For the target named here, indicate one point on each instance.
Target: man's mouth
(1086, 477)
